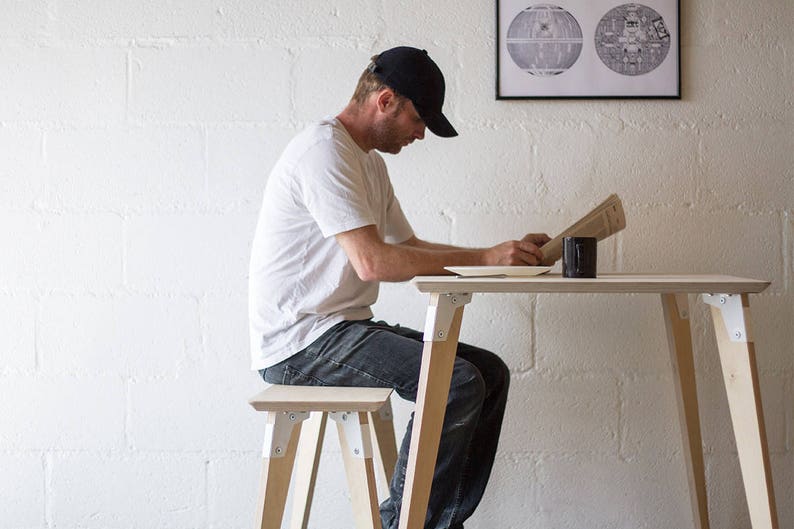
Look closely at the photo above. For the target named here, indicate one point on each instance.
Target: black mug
(579, 256)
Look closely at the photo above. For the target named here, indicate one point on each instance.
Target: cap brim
(440, 125)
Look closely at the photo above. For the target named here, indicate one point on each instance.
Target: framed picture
(587, 49)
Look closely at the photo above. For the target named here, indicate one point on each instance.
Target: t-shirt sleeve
(398, 229)
(330, 184)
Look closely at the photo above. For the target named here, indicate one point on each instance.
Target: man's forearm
(376, 260)
(419, 243)
(400, 262)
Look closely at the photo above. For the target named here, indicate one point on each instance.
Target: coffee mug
(579, 255)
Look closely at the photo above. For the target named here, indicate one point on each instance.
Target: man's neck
(354, 121)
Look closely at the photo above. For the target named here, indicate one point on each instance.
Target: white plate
(507, 271)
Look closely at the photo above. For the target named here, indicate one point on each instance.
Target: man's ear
(385, 100)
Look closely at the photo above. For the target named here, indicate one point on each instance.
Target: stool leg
(281, 442)
(309, 448)
(385, 446)
(354, 437)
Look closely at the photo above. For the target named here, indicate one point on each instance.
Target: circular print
(544, 40)
(632, 39)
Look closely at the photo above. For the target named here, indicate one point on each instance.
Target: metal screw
(722, 300)
(440, 334)
(454, 300)
(344, 417)
(737, 334)
(292, 416)
(278, 449)
(355, 451)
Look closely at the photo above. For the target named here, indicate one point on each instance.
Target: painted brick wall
(135, 141)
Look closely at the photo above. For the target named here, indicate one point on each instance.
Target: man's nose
(419, 134)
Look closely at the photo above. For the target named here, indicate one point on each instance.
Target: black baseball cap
(413, 74)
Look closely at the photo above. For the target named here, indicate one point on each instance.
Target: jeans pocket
(295, 377)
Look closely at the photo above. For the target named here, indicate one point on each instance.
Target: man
(329, 231)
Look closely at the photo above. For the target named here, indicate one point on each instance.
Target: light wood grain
(361, 479)
(740, 374)
(605, 283)
(319, 398)
(438, 359)
(274, 482)
(385, 448)
(679, 339)
(308, 460)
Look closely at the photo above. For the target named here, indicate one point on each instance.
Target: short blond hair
(369, 83)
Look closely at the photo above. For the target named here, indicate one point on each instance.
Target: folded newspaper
(604, 220)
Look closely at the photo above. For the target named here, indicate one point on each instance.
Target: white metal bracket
(734, 315)
(439, 317)
(358, 435)
(279, 430)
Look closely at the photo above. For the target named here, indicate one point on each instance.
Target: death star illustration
(632, 39)
(544, 40)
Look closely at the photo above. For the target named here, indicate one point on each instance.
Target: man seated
(329, 231)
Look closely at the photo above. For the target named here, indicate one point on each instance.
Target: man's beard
(386, 136)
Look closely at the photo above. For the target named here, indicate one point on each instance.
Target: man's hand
(538, 239)
(523, 252)
(513, 253)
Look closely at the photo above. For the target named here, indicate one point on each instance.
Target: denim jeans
(375, 354)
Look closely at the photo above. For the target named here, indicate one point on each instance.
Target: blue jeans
(375, 354)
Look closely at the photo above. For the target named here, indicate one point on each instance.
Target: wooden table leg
(731, 317)
(679, 338)
(438, 358)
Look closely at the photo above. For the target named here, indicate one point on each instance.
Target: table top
(604, 283)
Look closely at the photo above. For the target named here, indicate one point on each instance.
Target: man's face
(399, 126)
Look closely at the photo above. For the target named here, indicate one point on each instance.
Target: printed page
(602, 221)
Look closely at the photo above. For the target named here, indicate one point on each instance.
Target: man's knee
(467, 387)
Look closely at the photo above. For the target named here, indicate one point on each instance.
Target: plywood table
(730, 310)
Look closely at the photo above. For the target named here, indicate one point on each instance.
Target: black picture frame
(588, 49)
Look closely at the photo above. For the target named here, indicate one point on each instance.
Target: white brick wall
(22, 490)
(135, 142)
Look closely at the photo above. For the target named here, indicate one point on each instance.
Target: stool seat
(320, 398)
(295, 419)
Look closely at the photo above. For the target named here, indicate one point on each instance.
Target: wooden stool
(361, 415)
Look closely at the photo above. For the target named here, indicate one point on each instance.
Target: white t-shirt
(301, 282)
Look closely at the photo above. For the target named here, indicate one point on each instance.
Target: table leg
(731, 317)
(438, 358)
(679, 338)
